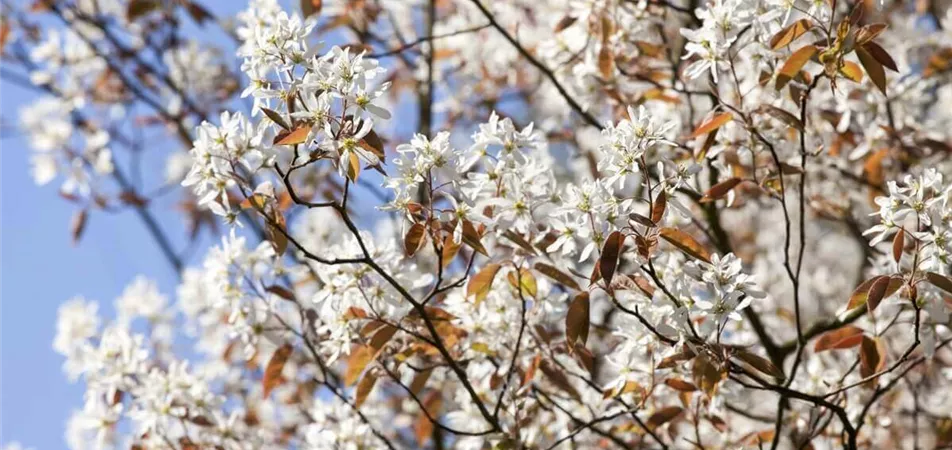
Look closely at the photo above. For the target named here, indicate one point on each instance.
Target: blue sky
(40, 269)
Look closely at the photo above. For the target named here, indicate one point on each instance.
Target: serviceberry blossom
(628, 141)
(502, 224)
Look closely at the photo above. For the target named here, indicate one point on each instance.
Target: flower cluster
(922, 201)
(628, 142)
(222, 156)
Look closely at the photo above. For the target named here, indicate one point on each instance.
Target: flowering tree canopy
(507, 224)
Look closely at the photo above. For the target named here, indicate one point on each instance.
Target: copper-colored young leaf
(197, 12)
(788, 169)
(685, 354)
(713, 124)
(650, 49)
(272, 372)
(371, 327)
(851, 71)
(606, 61)
(940, 281)
(629, 387)
(718, 423)
(297, 136)
(557, 275)
(640, 219)
(130, 197)
(643, 285)
(939, 62)
(355, 313)
(353, 166)
(860, 296)
(419, 381)
(759, 363)
(519, 240)
(472, 238)
(4, 34)
(584, 356)
(524, 281)
(611, 251)
(276, 118)
(381, 337)
(790, 33)
(707, 375)
(657, 210)
(359, 357)
(869, 32)
(364, 388)
(565, 22)
(720, 189)
(414, 239)
(760, 439)
(373, 144)
(709, 141)
(577, 320)
(873, 68)
(557, 376)
(277, 233)
(77, 225)
(856, 14)
(685, 243)
(680, 385)
(899, 243)
(844, 337)
(646, 245)
(139, 8)
(255, 201)
(281, 291)
(423, 429)
(450, 250)
(481, 282)
(872, 356)
(311, 7)
(793, 65)
(530, 371)
(783, 116)
(663, 416)
(877, 292)
(201, 421)
(881, 55)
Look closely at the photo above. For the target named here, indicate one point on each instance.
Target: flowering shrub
(509, 224)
